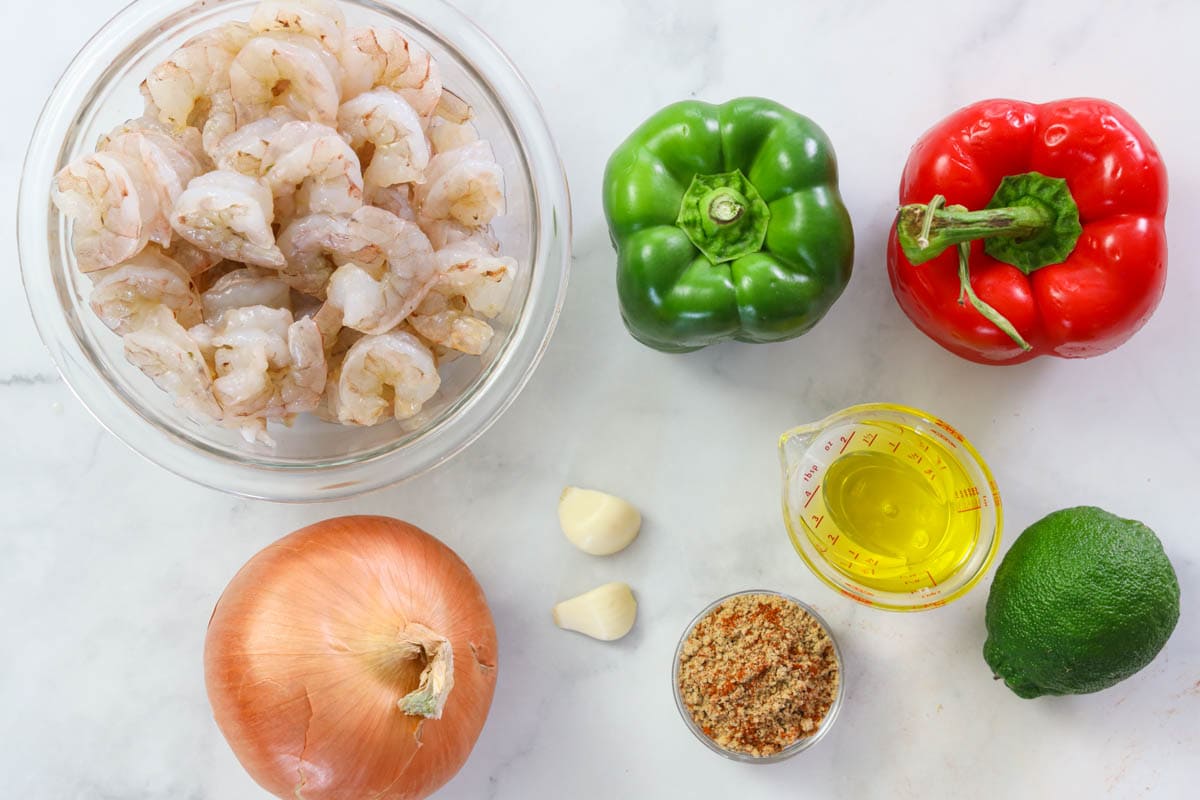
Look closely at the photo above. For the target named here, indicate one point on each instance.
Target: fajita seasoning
(758, 673)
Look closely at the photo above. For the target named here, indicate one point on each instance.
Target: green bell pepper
(727, 224)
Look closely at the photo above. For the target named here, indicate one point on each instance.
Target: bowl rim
(464, 419)
(799, 745)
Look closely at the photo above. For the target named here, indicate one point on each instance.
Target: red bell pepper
(1052, 242)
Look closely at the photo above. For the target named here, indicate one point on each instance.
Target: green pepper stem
(724, 216)
(927, 231)
(724, 205)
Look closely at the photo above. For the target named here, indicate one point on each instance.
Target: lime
(1082, 600)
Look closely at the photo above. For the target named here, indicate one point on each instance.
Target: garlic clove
(597, 523)
(605, 613)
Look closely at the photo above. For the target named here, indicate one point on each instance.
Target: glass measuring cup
(890, 506)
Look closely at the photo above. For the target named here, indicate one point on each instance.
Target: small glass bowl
(312, 460)
(800, 744)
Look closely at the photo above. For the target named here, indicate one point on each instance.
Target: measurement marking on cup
(965, 510)
(811, 496)
(931, 580)
(846, 443)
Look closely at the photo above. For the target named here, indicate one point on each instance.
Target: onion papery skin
(304, 673)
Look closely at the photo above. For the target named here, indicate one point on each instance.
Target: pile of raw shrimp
(300, 221)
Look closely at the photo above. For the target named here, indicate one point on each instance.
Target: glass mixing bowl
(312, 460)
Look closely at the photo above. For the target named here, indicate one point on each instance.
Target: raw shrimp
(241, 288)
(244, 149)
(396, 199)
(382, 120)
(207, 279)
(229, 214)
(191, 88)
(376, 238)
(126, 295)
(452, 108)
(268, 365)
(448, 324)
(321, 19)
(465, 185)
(112, 206)
(163, 350)
(249, 343)
(469, 270)
(193, 260)
(167, 165)
(315, 164)
(373, 57)
(304, 380)
(446, 135)
(358, 391)
(444, 232)
(316, 245)
(307, 244)
(188, 138)
(375, 303)
(284, 70)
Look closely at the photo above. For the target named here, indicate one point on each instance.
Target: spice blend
(758, 673)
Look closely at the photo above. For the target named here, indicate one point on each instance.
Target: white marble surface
(109, 566)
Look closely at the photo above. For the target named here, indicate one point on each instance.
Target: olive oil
(902, 506)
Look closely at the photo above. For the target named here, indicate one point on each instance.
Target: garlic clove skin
(606, 613)
(597, 523)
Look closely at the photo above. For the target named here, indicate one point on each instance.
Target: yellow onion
(354, 658)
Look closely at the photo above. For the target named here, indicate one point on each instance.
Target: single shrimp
(167, 165)
(315, 245)
(253, 429)
(358, 390)
(465, 185)
(374, 302)
(112, 206)
(188, 138)
(383, 57)
(304, 380)
(191, 87)
(315, 164)
(127, 295)
(441, 321)
(284, 70)
(241, 288)
(244, 150)
(323, 20)
(376, 238)
(228, 214)
(164, 351)
(468, 269)
(382, 123)
(249, 344)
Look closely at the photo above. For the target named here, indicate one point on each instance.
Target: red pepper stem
(926, 231)
(968, 293)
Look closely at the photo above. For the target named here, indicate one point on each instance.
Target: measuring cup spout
(793, 444)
